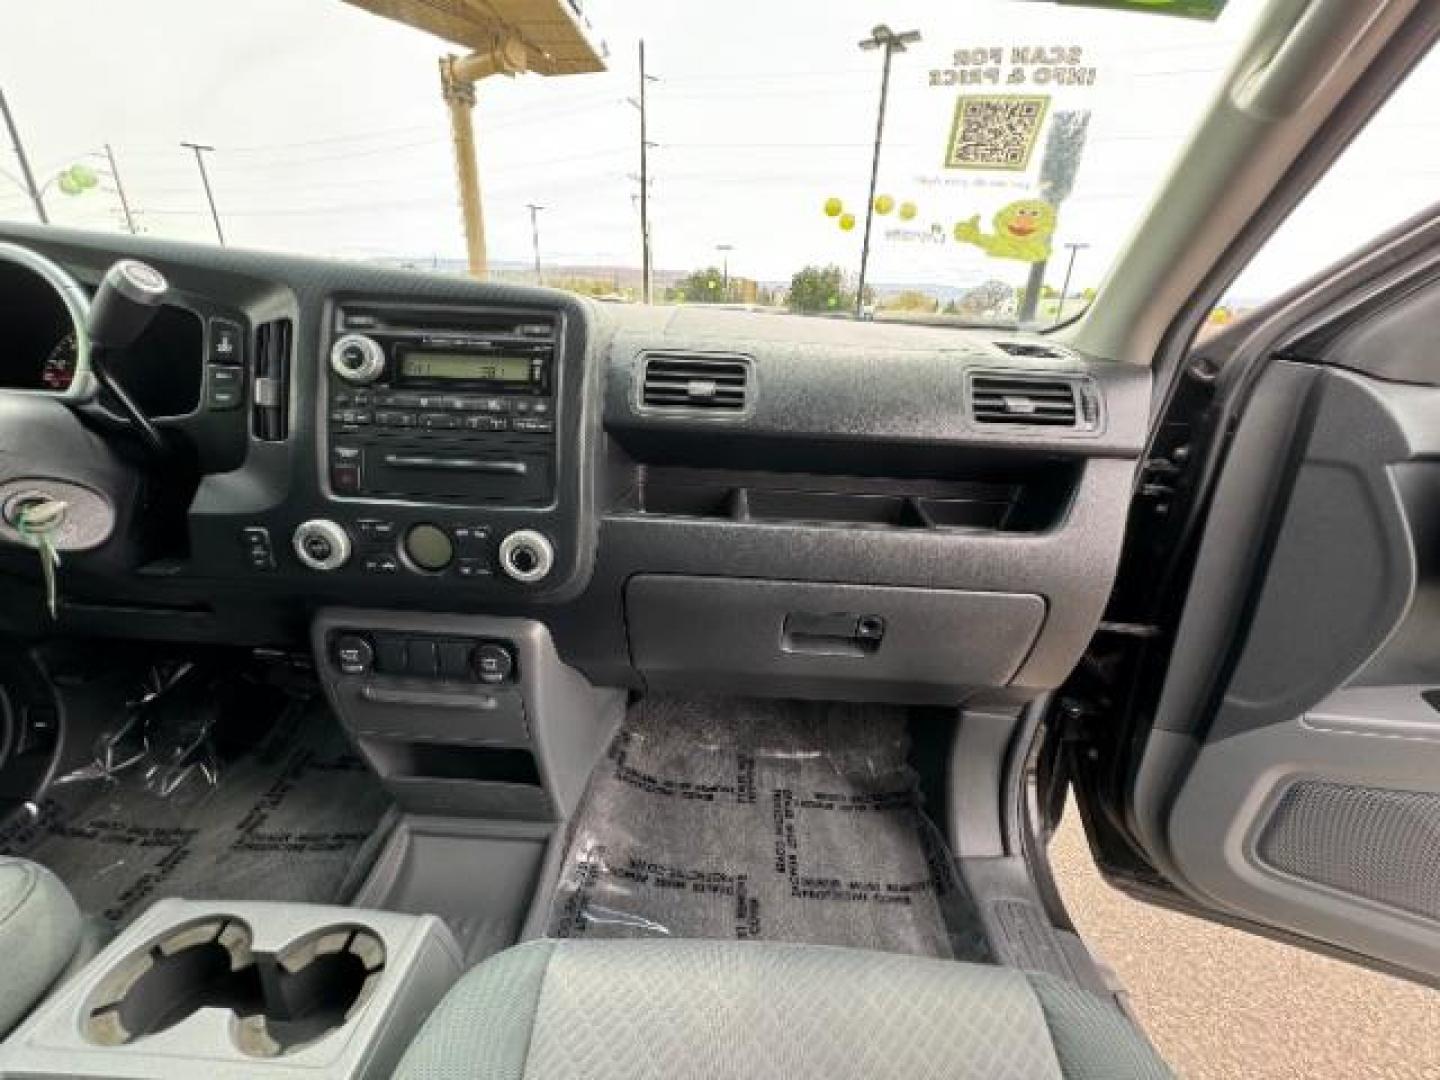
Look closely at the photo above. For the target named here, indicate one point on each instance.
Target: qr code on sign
(995, 131)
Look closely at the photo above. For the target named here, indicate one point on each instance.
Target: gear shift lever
(129, 296)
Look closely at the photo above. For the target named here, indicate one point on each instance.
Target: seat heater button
(353, 654)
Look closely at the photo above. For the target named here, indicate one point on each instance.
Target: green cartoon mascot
(1022, 231)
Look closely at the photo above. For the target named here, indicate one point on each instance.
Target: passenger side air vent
(1019, 399)
(271, 417)
(694, 383)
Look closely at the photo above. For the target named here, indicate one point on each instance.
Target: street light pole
(725, 250)
(882, 37)
(1065, 289)
(200, 151)
(535, 209)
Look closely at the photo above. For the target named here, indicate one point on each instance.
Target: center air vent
(1020, 399)
(717, 385)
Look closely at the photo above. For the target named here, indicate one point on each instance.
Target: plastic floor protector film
(773, 820)
(288, 818)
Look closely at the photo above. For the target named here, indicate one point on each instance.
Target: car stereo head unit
(485, 364)
(448, 405)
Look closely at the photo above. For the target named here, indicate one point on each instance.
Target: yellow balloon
(907, 211)
(884, 204)
(847, 221)
(833, 206)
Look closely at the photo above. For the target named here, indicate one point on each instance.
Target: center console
(231, 990)
(453, 449)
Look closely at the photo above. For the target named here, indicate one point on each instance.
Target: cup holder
(281, 1001)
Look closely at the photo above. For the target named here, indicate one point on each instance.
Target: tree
(821, 288)
(705, 286)
(994, 301)
(910, 300)
(1064, 147)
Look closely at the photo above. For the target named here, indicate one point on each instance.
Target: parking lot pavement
(1223, 1003)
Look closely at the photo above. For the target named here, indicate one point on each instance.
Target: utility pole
(24, 161)
(645, 265)
(882, 37)
(1069, 269)
(200, 151)
(725, 250)
(120, 189)
(535, 209)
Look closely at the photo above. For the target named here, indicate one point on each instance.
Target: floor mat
(289, 819)
(780, 821)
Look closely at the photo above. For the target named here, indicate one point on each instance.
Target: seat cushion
(39, 932)
(721, 1009)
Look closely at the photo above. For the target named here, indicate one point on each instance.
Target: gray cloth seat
(39, 934)
(730, 1009)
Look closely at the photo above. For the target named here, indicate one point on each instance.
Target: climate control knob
(357, 359)
(322, 544)
(526, 556)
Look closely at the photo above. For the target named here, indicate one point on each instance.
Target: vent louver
(1024, 400)
(271, 418)
(716, 385)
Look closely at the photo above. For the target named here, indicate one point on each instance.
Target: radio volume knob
(357, 358)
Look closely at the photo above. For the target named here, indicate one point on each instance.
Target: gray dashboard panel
(880, 399)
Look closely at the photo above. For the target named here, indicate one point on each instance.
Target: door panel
(1290, 779)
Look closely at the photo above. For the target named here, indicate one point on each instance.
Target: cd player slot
(429, 461)
(506, 475)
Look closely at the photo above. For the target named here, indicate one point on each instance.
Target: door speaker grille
(1377, 843)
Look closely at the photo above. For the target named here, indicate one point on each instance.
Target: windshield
(1021, 143)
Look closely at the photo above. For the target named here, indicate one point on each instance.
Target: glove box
(811, 639)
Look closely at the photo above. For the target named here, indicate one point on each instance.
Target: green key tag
(38, 523)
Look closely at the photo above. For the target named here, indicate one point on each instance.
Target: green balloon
(77, 179)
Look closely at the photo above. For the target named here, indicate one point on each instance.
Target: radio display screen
(464, 367)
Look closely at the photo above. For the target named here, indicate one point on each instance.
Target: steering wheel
(60, 446)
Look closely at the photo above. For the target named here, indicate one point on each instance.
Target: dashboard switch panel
(362, 651)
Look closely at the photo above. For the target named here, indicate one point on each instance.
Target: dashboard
(684, 496)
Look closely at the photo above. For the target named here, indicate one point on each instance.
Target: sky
(330, 136)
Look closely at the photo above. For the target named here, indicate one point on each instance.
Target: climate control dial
(357, 359)
(322, 544)
(526, 556)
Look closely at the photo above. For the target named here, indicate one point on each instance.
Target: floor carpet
(778, 821)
